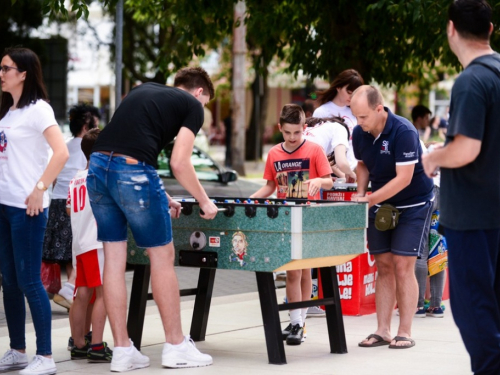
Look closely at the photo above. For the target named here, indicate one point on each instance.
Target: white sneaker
(13, 360)
(314, 311)
(128, 358)
(184, 355)
(40, 365)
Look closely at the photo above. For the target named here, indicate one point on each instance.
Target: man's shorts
(89, 269)
(122, 193)
(408, 238)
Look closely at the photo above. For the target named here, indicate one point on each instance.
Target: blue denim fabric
(20, 262)
(122, 193)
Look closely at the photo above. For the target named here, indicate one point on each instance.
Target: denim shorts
(122, 193)
(408, 238)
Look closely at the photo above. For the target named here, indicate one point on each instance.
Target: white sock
(304, 314)
(296, 317)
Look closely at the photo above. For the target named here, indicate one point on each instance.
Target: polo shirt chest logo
(385, 148)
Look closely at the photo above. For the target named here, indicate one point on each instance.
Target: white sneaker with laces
(13, 360)
(184, 355)
(127, 358)
(40, 365)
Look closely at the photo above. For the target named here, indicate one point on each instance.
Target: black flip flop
(380, 341)
(402, 338)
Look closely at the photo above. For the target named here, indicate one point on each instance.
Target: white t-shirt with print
(330, 109)
(328, 135)
(76, 162)
(24, 152)
(83, 224)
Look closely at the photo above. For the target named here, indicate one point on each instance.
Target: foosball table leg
(270, 318)
(202, 302)
(138, 301)
(334, 319)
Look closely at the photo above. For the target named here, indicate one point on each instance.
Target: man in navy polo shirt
(389, 156)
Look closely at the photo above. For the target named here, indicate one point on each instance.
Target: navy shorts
(122, 193)
(408, 238)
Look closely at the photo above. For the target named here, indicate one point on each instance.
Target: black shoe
(105, 354)
(71, 342)
(79, 353)
(286, 331)
(296, 335)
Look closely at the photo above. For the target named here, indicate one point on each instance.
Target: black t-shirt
(470, 195)
(148, 118)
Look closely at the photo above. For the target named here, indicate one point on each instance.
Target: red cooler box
(357, 277)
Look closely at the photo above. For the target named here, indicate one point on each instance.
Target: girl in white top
(332, 134)
(336, 100)
(27, 130)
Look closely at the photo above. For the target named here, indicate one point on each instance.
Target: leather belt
(128, 159)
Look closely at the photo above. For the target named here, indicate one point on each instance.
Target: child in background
(298, 169)
(89, 265)
(333, 135)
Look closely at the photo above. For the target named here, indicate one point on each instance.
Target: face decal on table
(240, 247)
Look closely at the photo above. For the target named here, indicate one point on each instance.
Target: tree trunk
(255, 132)
(238, 95)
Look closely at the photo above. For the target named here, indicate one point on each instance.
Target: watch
(41, 186)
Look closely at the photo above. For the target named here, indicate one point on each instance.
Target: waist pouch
(386, 218)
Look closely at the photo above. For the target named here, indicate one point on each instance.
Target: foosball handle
(219, 210)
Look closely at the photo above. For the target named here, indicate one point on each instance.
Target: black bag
(386, 218)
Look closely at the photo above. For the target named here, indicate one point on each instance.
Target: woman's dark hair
(33, 88)
(94, 111)
(350, 78)
(79, 116)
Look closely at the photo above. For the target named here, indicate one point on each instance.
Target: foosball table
(262, 236)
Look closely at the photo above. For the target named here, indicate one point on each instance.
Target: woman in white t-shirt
(332, 134)
(57, 243)
(28, 129)
(335, 101)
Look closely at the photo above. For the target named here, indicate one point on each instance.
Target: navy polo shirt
(398, 144)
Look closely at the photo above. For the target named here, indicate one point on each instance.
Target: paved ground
(235, 339)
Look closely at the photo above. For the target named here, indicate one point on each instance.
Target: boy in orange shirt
(296, 169)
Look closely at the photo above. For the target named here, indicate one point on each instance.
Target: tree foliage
(17, 20)
(161, 36)
(390, 41)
